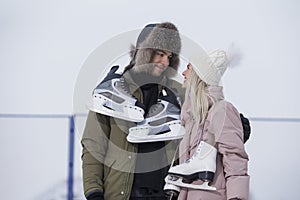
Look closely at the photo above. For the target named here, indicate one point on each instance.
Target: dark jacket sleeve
(94, 145)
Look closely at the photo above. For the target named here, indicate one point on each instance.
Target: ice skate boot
(171, 191)
(162, 122)
(202, 165)
(111, 97)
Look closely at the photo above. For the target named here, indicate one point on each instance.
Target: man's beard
(143, 74)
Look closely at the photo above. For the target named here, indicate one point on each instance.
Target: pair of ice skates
(201, 166)
(112, 97)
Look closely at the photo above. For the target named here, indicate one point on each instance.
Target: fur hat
(163, 36)
(210, 67)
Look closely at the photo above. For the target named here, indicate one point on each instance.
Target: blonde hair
(199, 97)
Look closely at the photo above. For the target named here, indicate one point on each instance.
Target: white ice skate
(111, 97)
(202, 165)
(162, 123)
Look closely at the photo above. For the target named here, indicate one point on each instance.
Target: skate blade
(178, 182)
(140, 134)
(169, 129)
(133, 114)
(145, 139)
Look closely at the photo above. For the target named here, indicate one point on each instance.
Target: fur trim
(132, 51)
(164, 36)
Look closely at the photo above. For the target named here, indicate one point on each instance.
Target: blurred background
(44, 45)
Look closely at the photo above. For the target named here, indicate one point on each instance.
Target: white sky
(44, 44)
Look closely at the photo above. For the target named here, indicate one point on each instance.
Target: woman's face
(185, 74)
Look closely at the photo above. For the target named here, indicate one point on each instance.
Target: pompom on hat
(211, 66)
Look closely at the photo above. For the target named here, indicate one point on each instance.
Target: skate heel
(178, 181)
(206, 176)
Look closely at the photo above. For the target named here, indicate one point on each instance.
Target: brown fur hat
(163, 36)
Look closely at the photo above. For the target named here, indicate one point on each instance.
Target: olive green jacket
(108, 160)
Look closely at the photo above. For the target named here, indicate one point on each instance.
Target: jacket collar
(216, 92)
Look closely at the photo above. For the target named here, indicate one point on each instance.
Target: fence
(71, 129)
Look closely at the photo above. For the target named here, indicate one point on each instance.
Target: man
(114, 168)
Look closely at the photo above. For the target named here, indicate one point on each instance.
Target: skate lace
(194, 156)
(123, 85)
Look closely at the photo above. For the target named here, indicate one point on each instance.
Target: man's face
(160, 61)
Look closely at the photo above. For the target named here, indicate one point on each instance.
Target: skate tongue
(111, 74)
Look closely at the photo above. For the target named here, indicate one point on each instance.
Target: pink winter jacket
(223, 129)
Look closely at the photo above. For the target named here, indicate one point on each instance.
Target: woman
(212, 148)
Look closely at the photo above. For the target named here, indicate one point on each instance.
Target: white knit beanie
(210, 67)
